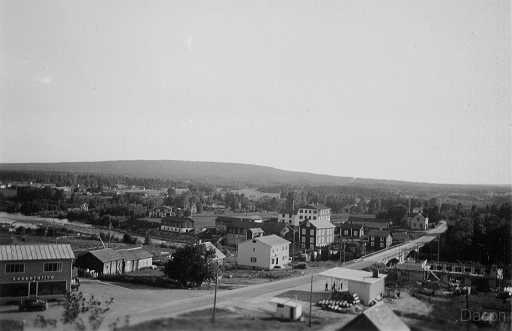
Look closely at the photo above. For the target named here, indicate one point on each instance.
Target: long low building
(367, 285)
(43, 271)
(107, 261)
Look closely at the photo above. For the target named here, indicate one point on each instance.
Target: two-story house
(43, 270)
(378, 239)
(314, 234)
(417, 222)
(265, 252)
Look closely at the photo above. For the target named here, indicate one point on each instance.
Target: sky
(395, 89)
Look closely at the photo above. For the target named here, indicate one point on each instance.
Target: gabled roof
(321, 224)
(378, 233)
(350, 226)
(218, 252)
(177, 220)
(272, 240)
(256, 230)
(106, 255)
(36, 252)
(132, 254)
(378, 317)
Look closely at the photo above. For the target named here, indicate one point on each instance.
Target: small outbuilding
(287, 309)
(367, 285)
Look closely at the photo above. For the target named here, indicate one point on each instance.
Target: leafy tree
(83, 312)
(191, 265)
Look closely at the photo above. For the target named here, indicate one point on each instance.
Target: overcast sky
(383, 89)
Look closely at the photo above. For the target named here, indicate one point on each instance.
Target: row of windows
(11, 268)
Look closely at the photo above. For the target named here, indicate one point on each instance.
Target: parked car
(32, 304)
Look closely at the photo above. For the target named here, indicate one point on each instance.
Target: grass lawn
(240, 320)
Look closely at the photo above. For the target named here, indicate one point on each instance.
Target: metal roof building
(42, 270)
(36, 252)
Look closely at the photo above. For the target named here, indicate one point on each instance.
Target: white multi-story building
(265, 252)
(314, 212)
(311, 212)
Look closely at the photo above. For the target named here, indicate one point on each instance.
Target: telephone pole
(215, 293)
(310, 300)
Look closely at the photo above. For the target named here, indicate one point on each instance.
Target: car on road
(33, 304)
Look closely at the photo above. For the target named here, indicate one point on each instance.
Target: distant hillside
(223, 174)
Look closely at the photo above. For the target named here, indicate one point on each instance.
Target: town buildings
(43, 270)
(316, 233)
(265, 252)
(378, 239)
(291, 219)
(177, 224)
(162, 211)
(350, 231)
(417, 222)
(314, 212)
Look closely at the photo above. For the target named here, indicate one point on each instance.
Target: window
(52, 267)
(254, 249)
(303, 231)
(356, 233)
(314, 217)
(312, 232)
(14, 267)
(345, 232)
(272, 261)
(381, 244)
(253, 259)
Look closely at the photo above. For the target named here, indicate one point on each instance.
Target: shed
(377, 318)
(287, 309)
(135, 259)
(365, 284)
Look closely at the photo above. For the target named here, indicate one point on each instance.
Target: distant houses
(265, 252)
(378, 239)
(417, 222)
(177, 224)
(162, 211)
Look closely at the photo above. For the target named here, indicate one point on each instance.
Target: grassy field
(240, 320)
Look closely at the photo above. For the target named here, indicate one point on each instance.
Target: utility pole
(215, 292)
(310, 300)
(438, 241)
(341, 242)
(109, 233)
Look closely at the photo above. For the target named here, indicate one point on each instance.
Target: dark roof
(137, 253)
(379, 317)
(314, 206)
(378, 233)
(364, 217)
(272, 227)
(106, 255)
(36, 252)
(177, 220)
(347, 225)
